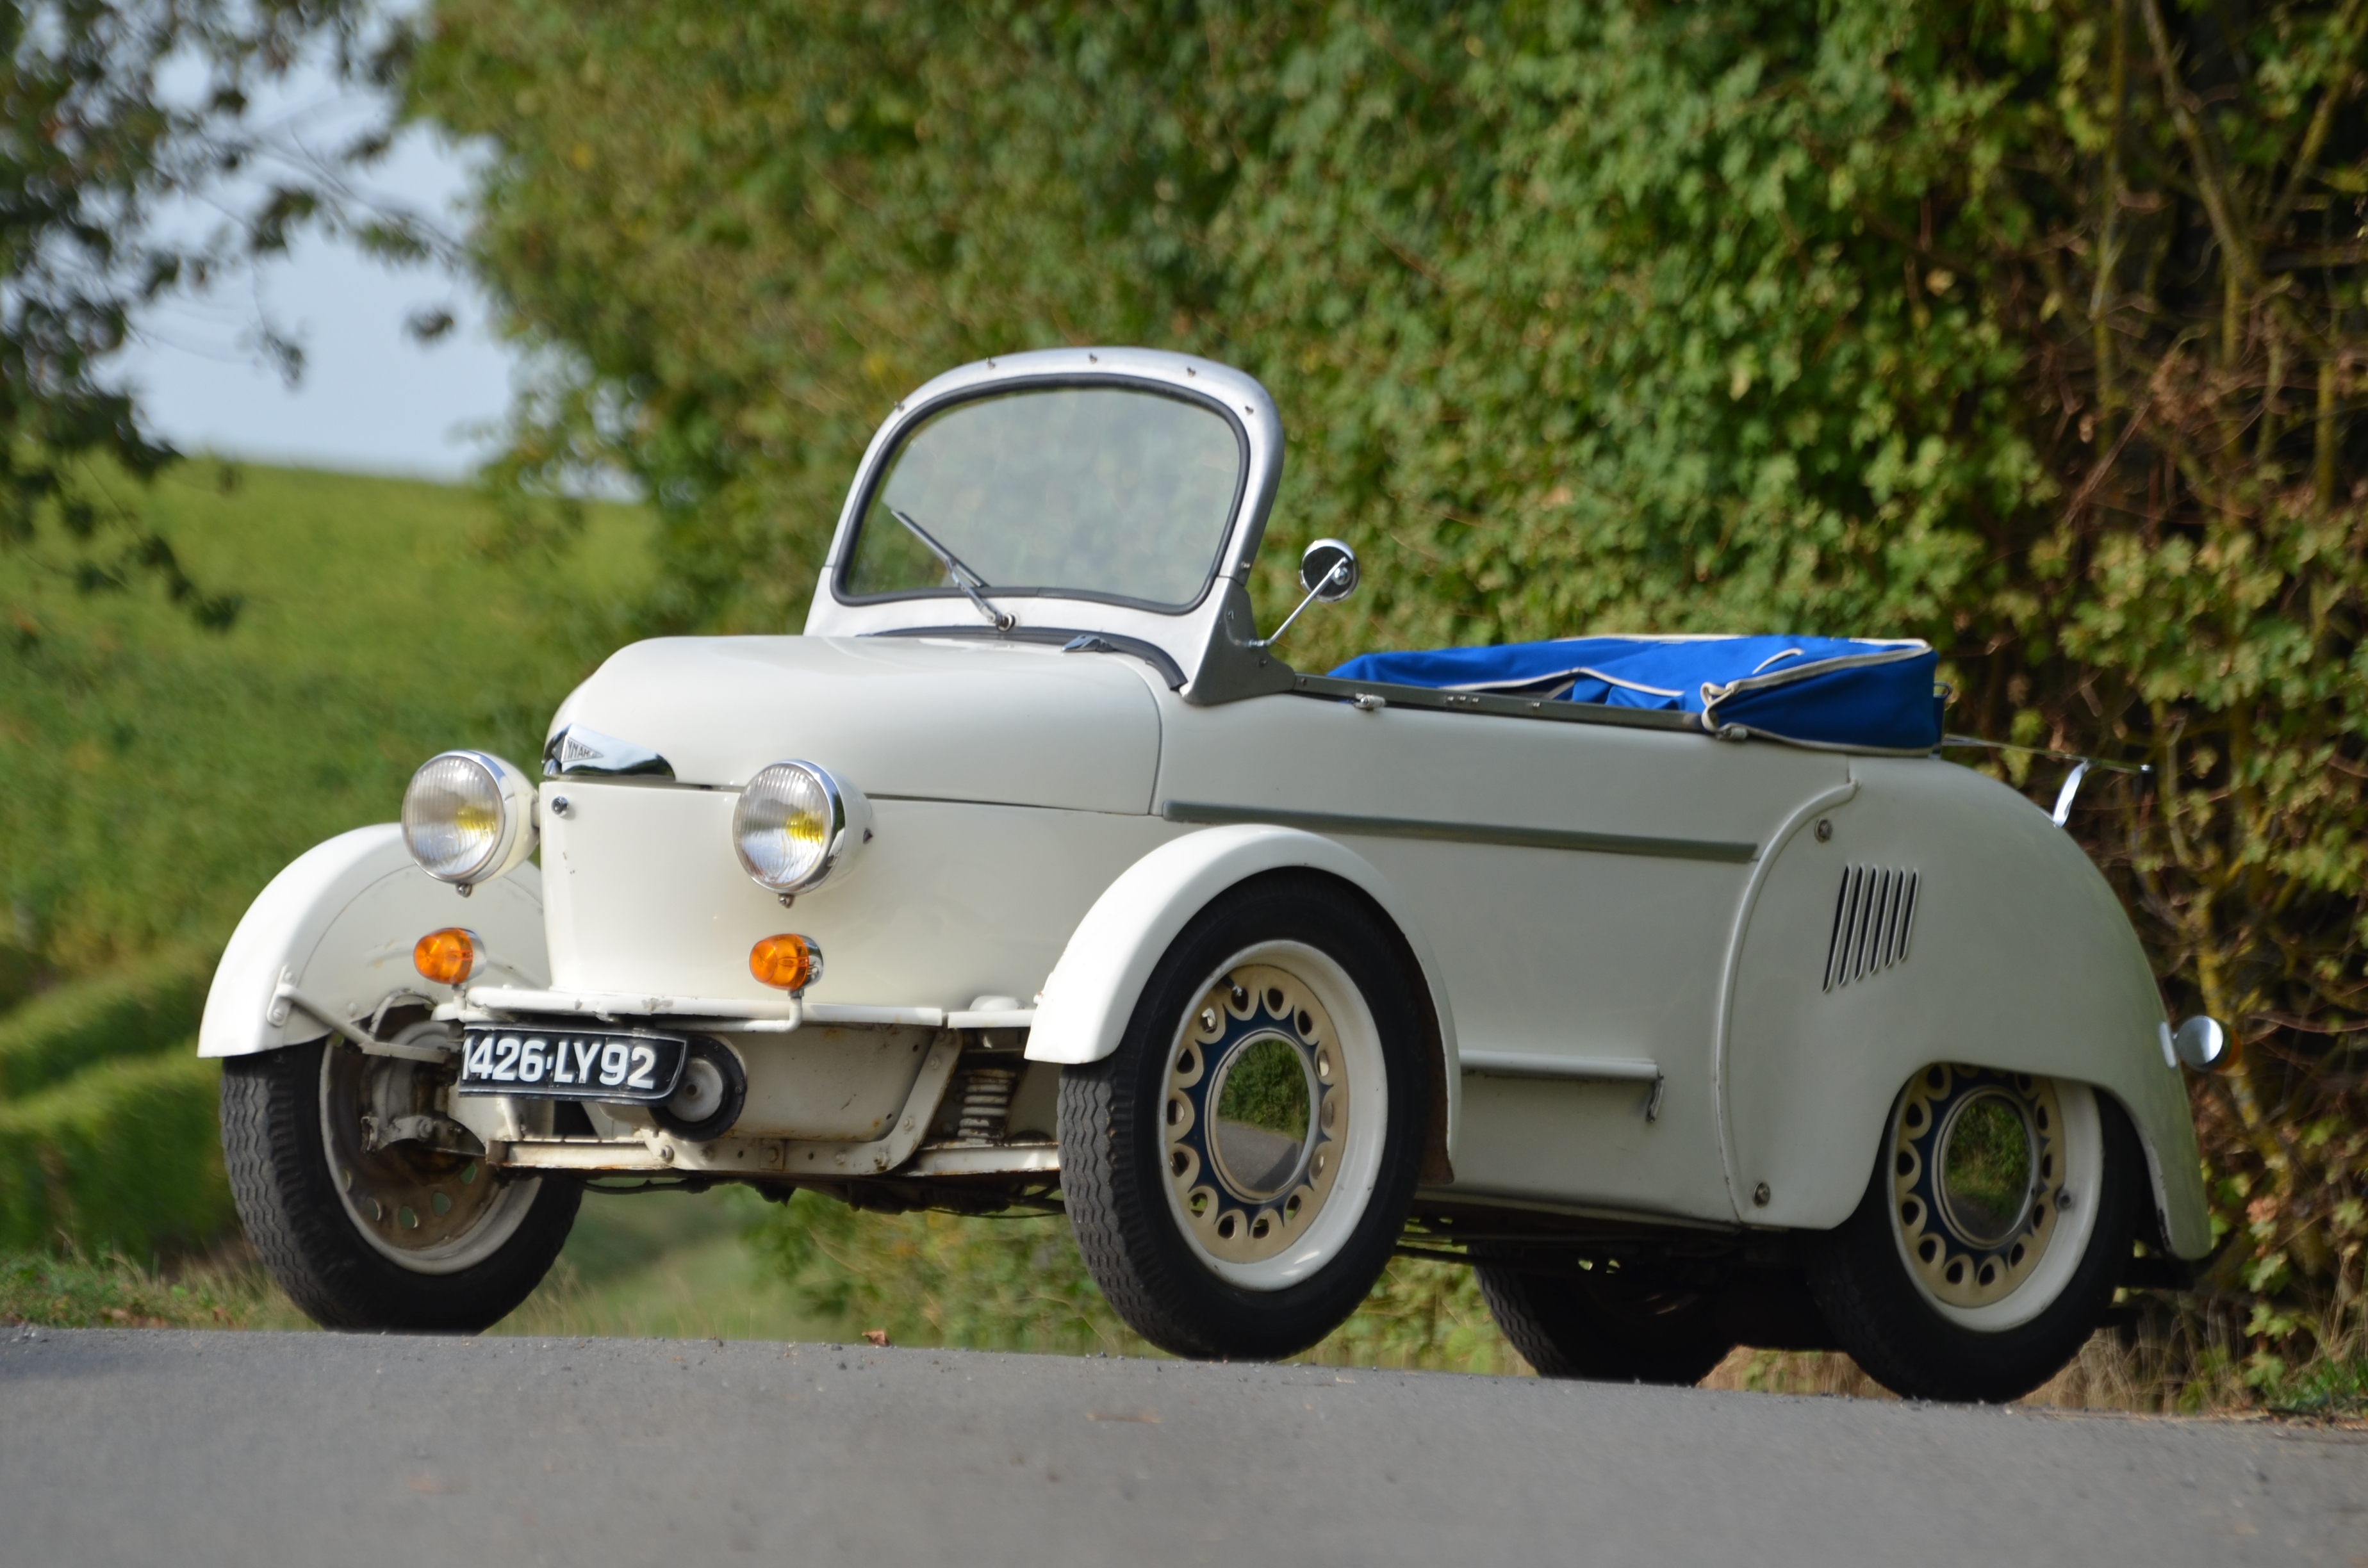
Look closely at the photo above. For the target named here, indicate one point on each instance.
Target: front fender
(1092, 991)
(338, 924)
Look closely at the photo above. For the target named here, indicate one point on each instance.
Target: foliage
(2034, 327)
(119, 117)
(1017, 1282)
(111, 1291)
(1009, 1282)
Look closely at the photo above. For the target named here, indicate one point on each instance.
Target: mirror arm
(1329, 579)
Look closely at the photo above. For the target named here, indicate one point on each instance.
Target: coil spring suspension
(985, 1104)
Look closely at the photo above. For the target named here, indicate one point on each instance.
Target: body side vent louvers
(1873, 914)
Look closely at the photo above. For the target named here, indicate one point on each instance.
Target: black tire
(1617, 1323)
(1148, 1255)
(1859, 1275)
(275, 1144)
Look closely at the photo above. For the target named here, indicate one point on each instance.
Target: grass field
(159, 774)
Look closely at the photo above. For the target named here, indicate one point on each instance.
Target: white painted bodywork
(1090, 994)
(2021, 960)
(928, 718)
(1644, 1002)
(337, 927)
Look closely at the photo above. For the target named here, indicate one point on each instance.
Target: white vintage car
(1676, 984)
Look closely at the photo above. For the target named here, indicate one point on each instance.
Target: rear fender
(337, 928)
(2018, 957)
(1092, 991)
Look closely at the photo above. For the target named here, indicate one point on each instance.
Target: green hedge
(126, 1156)
(134, 1011)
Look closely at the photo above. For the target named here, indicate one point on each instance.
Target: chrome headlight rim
(510, 795)
(846, 825)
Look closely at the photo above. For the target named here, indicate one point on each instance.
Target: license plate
(570, 1064)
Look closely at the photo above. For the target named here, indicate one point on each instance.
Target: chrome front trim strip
(1333, 825)
(723, 1015)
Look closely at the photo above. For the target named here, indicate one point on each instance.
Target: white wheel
(1239, 1170)
(1994, 1187)
(1275, 1106)
(1993, 1233)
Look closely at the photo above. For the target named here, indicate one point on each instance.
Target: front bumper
(834, 1090)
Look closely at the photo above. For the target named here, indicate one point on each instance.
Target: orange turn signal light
(788, 962)
(448, 957)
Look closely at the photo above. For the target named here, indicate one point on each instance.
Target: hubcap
(1256, 1112)
(430, 1210)
(1980, 1181)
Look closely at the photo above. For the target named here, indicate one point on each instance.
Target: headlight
(797, 828)
(468, 817)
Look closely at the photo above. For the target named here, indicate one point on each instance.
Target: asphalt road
(133, 1447)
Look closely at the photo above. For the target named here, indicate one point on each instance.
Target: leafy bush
(2034, 329)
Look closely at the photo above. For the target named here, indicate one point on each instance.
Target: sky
(371, 400)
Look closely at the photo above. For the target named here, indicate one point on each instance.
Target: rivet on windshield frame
(1761, 1195)
(1825, 829)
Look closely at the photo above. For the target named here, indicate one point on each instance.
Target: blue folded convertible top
(1855, 693)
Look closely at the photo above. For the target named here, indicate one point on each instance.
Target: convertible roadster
(1677, 985)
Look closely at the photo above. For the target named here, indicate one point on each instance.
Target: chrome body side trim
(1369, 695)
(1571, 1069)
(1332, 825)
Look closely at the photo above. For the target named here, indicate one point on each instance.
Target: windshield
(1097, 491)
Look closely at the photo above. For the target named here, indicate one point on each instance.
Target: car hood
(911, 716)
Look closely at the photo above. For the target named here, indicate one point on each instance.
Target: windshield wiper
(968, 581)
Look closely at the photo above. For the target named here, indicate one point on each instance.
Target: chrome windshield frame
(861, 502)
(1184, 633)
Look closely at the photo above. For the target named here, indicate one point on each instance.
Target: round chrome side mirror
(1327, 569)
(2201, 1043)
